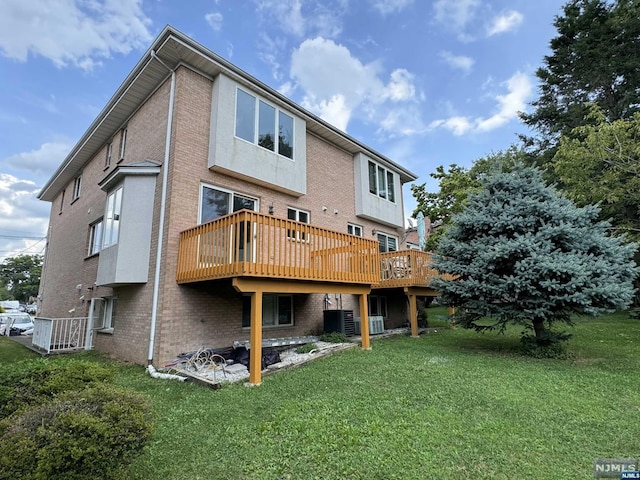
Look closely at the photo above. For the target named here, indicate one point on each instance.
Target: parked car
(16, 323)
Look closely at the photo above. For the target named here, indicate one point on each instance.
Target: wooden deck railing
(248, 243)
(408, 268)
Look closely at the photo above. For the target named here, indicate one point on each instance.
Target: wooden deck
(252, 244)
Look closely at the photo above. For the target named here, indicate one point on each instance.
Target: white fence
(61, 334)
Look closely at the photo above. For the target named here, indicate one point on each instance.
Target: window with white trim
(263, 124)
(77, 186)
(103, 313)
(216, 202)
(112, 218)
(95, 237)
(107, 158)
(277, 310)
(298, 215)
(388, 243)
(381, 182)
(354, 229)
(123, 143)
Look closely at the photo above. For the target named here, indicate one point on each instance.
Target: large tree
(521, 253)
(600, 163)
(454, 185)
(595, 58)
(20, 276)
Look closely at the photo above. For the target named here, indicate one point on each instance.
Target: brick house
(202, 207)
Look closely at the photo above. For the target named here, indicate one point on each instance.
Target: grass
(451, 404)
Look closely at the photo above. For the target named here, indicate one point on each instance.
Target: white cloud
(459, 62)
(318, 18)
(21, 211)
(72, 32)
(386, 7)
(509, 105)
(455, 13)
(401, 86)
(505, 22)
(336, 85)
(214, 19)
(43, 160)
(457, 125)
(519, 90)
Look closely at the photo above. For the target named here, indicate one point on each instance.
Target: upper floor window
(387, 243)
(216, 203)
(381, 182)
(353, 229)
(62, 200)
(95, 238)
(112, 218)
(123, 143)
(107, 158)
(299, 216)
(261, 123)
(77, 186)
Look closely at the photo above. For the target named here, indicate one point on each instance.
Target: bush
(85, 434)
(32, 382)
(334, 337)
(306, 348)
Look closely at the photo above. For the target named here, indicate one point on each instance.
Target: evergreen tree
(594, 59)
(524, 254)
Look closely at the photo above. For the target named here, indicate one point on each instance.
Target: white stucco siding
(243, 159)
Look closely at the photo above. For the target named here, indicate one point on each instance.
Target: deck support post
(413, 314)
(364, 323)
(255, 354)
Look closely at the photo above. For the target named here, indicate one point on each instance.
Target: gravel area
(216, 374)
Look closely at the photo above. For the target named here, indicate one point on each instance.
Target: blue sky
(425, 82)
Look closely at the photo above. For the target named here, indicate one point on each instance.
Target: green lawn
(448, 405)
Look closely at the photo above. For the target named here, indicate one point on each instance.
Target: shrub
(306, 348)
(85, 434)
(32, 382)
(334, 337)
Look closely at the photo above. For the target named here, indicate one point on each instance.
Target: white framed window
(377, 306)
(62, 200)
(263, 124)
(95, 237)
(107, 158)
(123, 143)
(354, 229)
(216, 202)
(112, 218)
(102, 312)
(381, 182)
(298, 215)
(277, 310)
(77, 187)
(388, 243)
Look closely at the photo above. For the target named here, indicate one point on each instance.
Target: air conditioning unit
(339, 321)
(376, 325)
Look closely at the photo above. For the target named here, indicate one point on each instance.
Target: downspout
(163, 200)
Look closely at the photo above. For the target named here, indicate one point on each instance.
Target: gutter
(163, 201)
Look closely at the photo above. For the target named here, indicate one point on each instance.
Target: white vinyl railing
(61, 334)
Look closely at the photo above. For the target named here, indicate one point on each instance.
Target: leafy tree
(594, 59)
(521, 253)
(600, 163)
(20, 275)
(454, 185)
